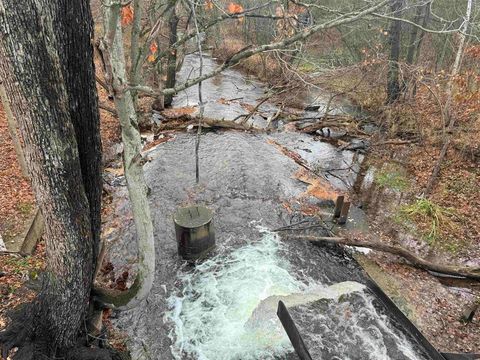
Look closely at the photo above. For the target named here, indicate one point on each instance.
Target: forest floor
(17, 203)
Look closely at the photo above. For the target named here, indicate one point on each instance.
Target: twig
(244, 121)
(108, 108)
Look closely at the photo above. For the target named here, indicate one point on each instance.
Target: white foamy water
(226, 309)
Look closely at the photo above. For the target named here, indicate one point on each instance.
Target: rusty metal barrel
(194, 231)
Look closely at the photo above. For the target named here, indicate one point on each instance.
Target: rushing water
(226, 309)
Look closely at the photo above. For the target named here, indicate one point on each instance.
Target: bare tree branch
(248, 52)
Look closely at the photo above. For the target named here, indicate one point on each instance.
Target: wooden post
(344, 213)
(338, 206)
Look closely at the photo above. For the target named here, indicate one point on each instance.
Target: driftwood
(394, 142)
(339, 122)
(413, 259)
(346, 123)
(182, 124)
(292, 155)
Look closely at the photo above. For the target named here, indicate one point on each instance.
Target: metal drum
(194, 231)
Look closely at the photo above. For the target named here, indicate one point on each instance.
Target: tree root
(29, 337)
(87, 353)
(413, 259)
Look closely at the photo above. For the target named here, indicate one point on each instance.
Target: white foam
(226, 308)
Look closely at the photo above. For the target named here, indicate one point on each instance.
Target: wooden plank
(338, 206)
(292, 332)
(344, 213)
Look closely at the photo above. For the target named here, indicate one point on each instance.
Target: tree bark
(46, 64)
(74, 33)
(393, 82)
(135, 53)
(172, 56)
(37, 82)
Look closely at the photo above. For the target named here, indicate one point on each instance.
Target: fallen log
(207, 123)
(413, 259)
(330, 121)
(394, 142)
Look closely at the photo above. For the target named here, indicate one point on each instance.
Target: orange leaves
(127, 15)
(153, 50)
(473, 51)
(153, 47)
(208, 4)
(234, 8)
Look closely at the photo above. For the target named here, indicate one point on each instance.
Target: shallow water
(226, 96)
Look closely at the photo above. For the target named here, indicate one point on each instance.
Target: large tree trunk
(393, 81)
(46, 66)
(74, 31)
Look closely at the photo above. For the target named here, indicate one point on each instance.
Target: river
(222, 308)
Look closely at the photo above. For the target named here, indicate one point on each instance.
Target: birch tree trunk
(133, 163)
